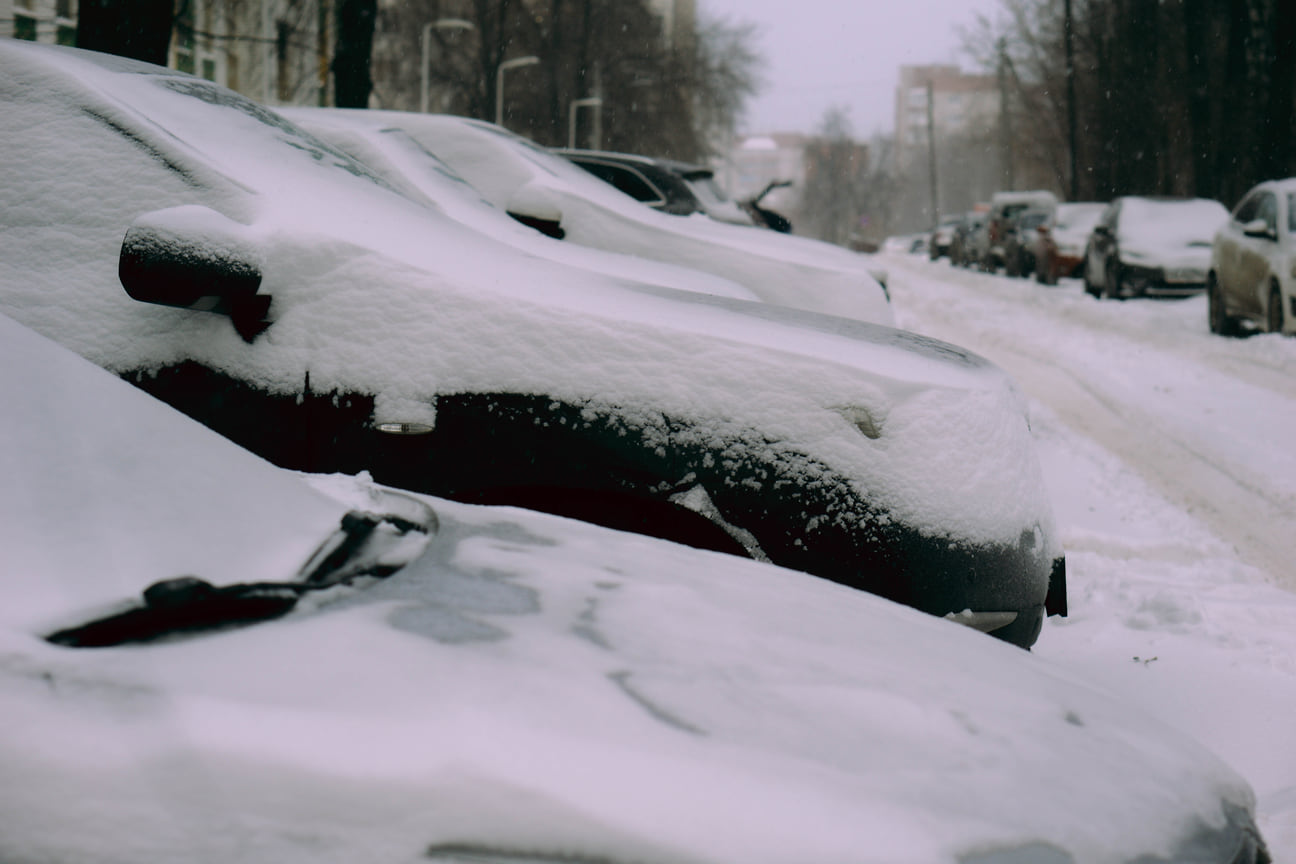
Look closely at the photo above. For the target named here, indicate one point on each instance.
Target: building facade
(274, 51)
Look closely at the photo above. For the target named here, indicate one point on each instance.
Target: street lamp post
(425, 66)
(529, 60)
(589, 102)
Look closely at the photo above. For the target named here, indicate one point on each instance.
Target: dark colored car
(938, 245)
(668, 185)
(1152, 247)
(280, 293)
(963, 251)
(1019, 248)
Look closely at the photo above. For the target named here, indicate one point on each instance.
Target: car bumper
(1142, 281)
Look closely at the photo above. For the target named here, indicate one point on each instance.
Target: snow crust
(378, 294)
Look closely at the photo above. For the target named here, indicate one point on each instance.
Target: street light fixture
(589, 102)
(529, 60)
(439, 24)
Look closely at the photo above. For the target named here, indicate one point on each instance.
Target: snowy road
(1171, 457)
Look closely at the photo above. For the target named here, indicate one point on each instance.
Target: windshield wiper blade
(188, 605)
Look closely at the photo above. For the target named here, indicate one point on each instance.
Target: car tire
(1274, 310)
(1221, 323)
(1089, 287)
(1111, 286)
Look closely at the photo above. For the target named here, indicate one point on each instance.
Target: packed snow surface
(1169, 455)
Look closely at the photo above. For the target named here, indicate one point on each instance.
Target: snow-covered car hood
(779, 268)
(1170, 233)
(527, 689)
(377, 294)
(1073, 223)
(370, 137)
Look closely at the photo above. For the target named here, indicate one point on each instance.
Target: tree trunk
(140, 29)
(352, 83)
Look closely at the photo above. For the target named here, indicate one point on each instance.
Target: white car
(278, 291)
(1253, 262)
(371, 138)
(496, 686)
(552, 194)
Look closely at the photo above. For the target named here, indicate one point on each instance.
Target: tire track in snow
(1252, 512)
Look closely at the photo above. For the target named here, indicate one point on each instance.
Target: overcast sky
(822, 53)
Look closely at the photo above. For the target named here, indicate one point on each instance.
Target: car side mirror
(537, 206)
(192, 257)
(1258, 228)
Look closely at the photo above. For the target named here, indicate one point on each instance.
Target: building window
(24, 27)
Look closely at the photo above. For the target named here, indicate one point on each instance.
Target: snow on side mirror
(195, 258)
(537, 206)
(1258, 228)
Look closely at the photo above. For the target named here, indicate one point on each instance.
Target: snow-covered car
(1060, 246)
(1004, 208)
(669, 185)
(1253, 262)
(942, 236)
(1152, 247)
(502, 687)
(282, 294)
(548, 192)
(418, 174)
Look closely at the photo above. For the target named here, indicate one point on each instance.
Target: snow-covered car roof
(374, 296)
(1170, 223)
(526, 689)
(514, 173)
(417, 172)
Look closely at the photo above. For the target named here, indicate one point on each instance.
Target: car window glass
(1268, 211)
(1246, 211)
(627, 180)
(1291, 212)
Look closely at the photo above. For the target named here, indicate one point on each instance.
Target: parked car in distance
(668, 185)
(1152, 247)
(286, 296)
(356, 675)
(1060, 243)
(1252, 275)
(963, 250)
(938, 244)
(1004, 207)
(1019, 248)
